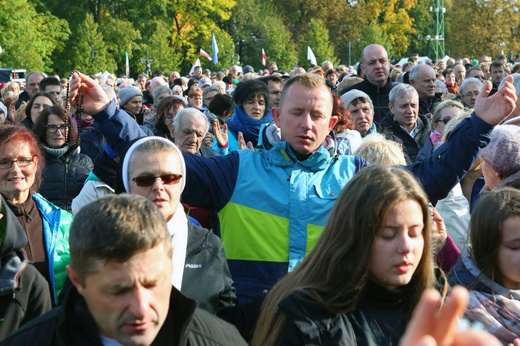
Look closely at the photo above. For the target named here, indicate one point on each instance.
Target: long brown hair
(335, 272)
(485, 228)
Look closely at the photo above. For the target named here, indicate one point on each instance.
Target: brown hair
(485, 228)
(123, 226)
(40, 129)
(20, 134)
(335, 273)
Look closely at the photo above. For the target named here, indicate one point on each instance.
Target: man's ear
(74, 279)
(275, 112)
(333, 121)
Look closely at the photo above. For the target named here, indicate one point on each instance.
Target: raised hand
(93, 97)
(242, 142)
(430, 326)
(220, 135)
(494, 109)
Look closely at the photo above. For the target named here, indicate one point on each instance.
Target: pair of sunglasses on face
(149, 180)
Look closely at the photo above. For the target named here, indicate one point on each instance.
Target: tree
(89, 49)
(317, 37)
(482, 27)
(193, 21)
(256, 25)
(29, 38)
(120, 36)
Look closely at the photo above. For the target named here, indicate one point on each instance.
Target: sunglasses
(445, 120)
(148, 180)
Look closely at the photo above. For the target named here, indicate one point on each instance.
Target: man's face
(209, 97)
(376, 65)
(273, 68)
(470, 95)
(55, 91)
(362, 115)
(304, 118)
(190, 134)
(275, 91)
(33, 84)
(234, 70)
(441, 64)
(425, 83)
(197, 72)
(129, 301)
(477, 74)
(497, 74)
(460, 72)
(405, 110)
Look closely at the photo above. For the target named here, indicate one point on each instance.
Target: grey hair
(191, 113)
(160, 90)
(516, 82)
(467, 81)
(209, 89)
(416, 70)
(402, 89)
(442, 85)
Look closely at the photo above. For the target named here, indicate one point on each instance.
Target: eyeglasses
(20, 161)
(166, 179)
(169, 117)
(54, 128)
(445, 120)
(475, 93)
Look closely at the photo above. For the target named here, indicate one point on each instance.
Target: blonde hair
(378, 150)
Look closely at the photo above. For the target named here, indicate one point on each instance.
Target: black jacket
(378, 95)
(22, 98)
(379, 319)
(411, 146)
(206, 275)
(63, 177)
(71, 324)
(24, 293)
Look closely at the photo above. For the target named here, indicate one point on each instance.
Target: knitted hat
(353, 94)
(126, 94)
(503, 151)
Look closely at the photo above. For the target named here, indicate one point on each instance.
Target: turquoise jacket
(56, 225)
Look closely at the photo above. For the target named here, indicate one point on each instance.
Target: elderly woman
(46, 226)
(66, 169)
(469, 90)
(251, 112)
(166, 112)
(35, 106)
(153, 167)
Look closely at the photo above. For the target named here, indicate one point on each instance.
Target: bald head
(375, 64)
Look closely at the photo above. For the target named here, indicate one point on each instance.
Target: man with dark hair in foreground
(121, 269)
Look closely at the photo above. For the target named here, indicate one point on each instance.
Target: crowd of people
(333, 206)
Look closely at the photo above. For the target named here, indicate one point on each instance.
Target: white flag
(311, 57)
(197, 63)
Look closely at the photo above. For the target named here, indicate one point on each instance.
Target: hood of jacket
(466, 273)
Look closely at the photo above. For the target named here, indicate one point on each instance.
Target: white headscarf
(178, 224)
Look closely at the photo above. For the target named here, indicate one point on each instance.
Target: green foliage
(90, 53)
(317, 37)
(29, 38)
(55, 36)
